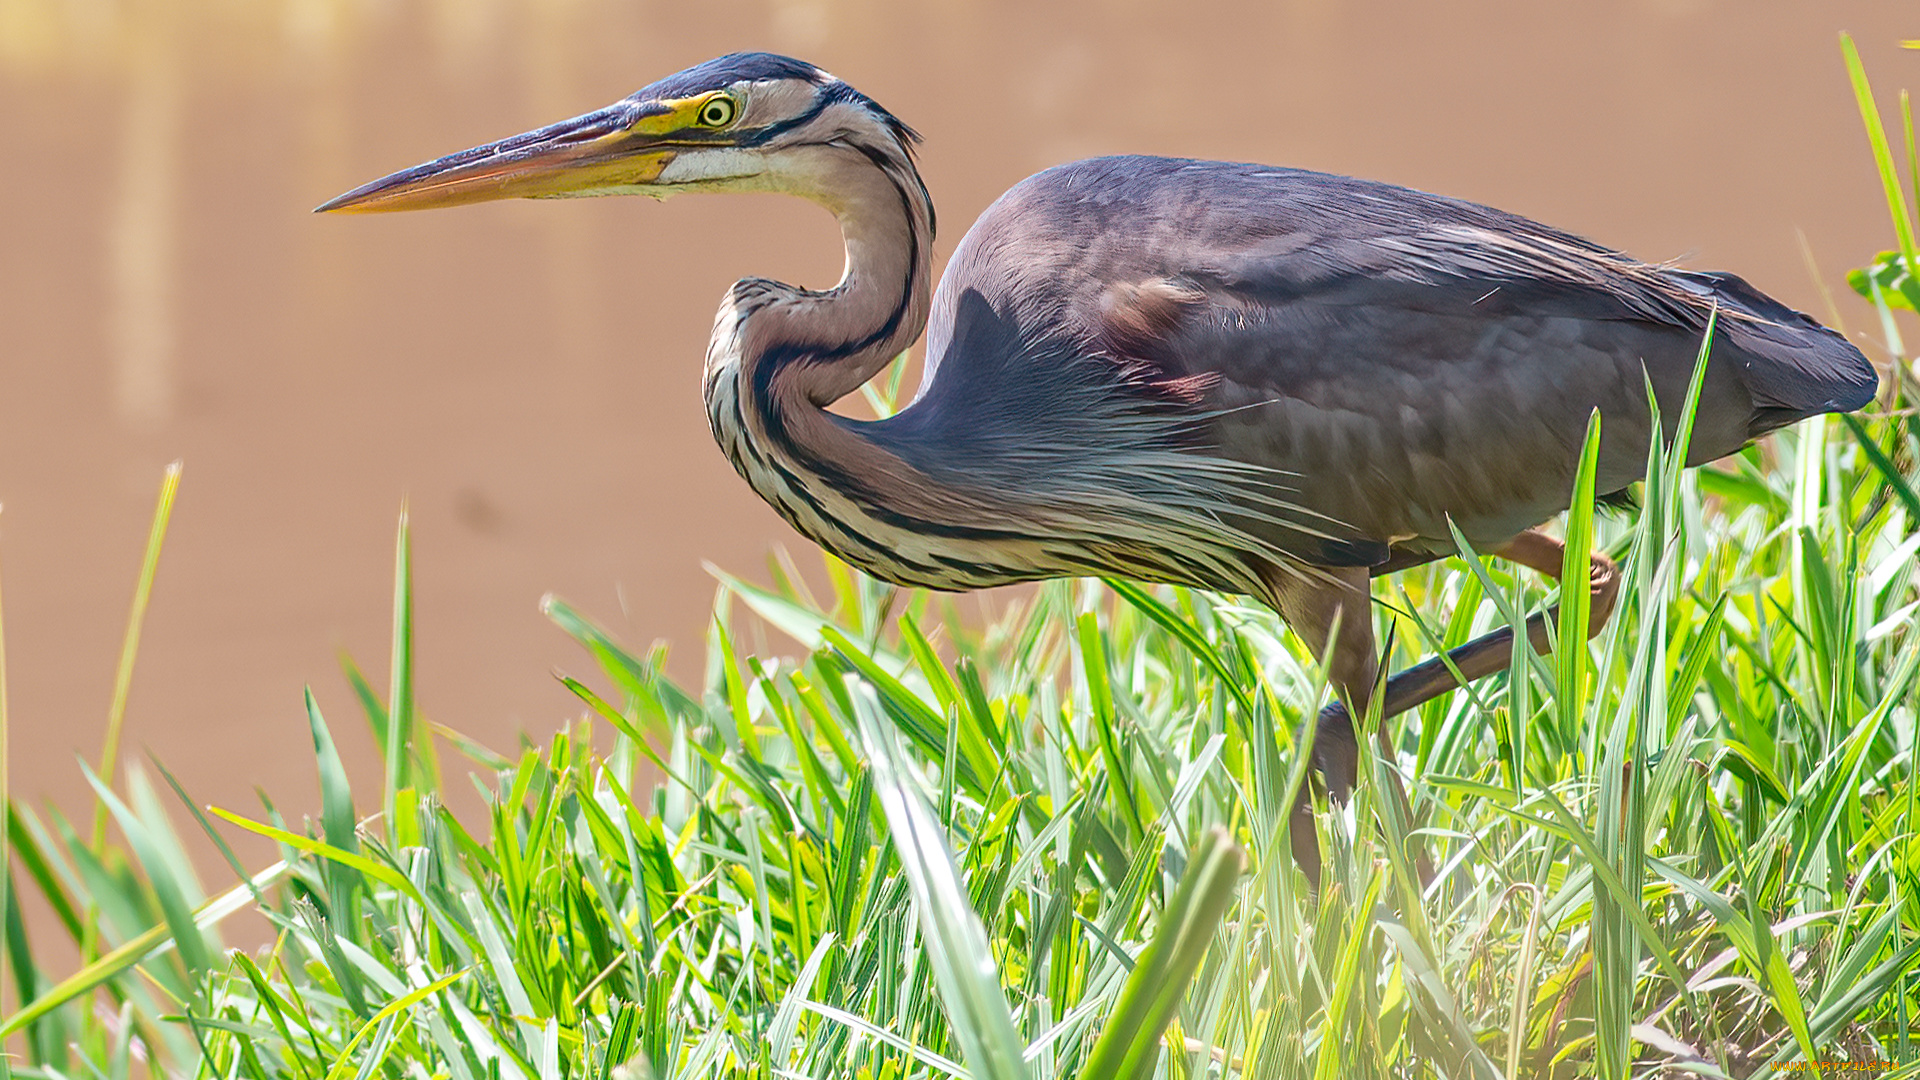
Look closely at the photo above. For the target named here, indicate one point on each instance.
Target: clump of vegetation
(1056, 846)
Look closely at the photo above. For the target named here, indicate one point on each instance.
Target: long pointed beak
(603, 152)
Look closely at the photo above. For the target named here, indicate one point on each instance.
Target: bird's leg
(1308, 606)
(1331, 606)
(1493, 651)
(1318, 605)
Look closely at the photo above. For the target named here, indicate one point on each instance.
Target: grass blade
(955, 942)
(130, 643)
(1129, 1044)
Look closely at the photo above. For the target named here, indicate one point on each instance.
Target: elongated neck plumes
(1102, 485)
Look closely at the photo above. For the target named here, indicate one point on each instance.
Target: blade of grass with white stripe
(954, 942)
(1129, 1044)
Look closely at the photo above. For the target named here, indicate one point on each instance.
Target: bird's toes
(1603, 585)
(1336, 755)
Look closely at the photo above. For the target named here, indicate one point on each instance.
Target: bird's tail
(1793, 366)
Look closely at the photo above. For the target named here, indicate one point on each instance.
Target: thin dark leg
(1336, 753)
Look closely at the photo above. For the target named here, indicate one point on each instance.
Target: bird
(1259, 380)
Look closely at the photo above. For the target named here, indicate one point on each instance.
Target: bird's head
(744, 122)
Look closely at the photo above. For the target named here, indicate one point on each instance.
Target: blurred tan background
(527, 373)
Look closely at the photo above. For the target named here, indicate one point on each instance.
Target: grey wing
(1436, 359)
(1385, 357)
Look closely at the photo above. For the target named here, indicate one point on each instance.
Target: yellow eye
(717, 112)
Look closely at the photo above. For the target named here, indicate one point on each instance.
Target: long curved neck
(780, 355)
(817, 347)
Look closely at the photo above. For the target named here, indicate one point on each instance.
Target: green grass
(1055, 846)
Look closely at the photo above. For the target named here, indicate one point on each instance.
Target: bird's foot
(1336, 752)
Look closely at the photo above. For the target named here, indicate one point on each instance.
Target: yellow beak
(602, 153)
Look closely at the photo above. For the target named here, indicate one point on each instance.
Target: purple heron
(1259, 380)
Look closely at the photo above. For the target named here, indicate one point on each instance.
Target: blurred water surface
(527, 373)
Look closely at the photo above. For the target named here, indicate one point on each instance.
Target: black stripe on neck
(769, 364)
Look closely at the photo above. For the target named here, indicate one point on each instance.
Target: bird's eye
(718, 112)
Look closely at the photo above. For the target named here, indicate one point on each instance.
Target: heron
(1259, 380)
